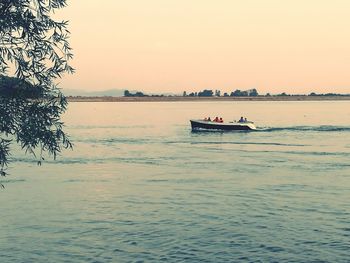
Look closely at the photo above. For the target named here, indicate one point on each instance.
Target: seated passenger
(245, 120)
(209, 119)
(216, 119)
(221, 120)
(241, 119)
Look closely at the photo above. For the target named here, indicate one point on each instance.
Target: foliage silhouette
(34, 51)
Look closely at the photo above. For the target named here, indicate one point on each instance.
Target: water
(141, 187)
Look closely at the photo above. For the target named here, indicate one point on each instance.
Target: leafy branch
(34, 52)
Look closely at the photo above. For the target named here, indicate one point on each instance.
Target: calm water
(141, 187)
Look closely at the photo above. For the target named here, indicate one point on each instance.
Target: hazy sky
(296, 46)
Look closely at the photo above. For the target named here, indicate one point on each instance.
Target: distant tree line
(327, 94)
(250, 93)
(136, 94)
(217, 93)
(203, 93)
(236, 93)
(310, 94)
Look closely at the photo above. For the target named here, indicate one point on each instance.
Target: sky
(293, 46)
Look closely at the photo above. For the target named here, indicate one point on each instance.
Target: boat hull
(210, 125)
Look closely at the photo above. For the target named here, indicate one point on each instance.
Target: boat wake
(322, 128)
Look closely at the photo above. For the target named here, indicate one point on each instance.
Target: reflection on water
(140, 186)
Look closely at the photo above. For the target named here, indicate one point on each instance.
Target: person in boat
(245, 120)
(221, 120)
(241, 119)
(209, 119)
(216, 119)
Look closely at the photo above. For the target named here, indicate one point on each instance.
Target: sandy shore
(194, 99)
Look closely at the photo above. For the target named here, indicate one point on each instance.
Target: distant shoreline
(195, 99)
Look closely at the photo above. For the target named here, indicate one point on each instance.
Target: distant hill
(101, 93)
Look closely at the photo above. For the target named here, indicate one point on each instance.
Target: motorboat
(222, 126)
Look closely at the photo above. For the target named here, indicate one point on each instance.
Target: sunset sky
(294, 46)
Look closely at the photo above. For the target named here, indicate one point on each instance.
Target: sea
(140, 186)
